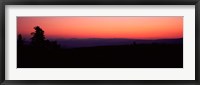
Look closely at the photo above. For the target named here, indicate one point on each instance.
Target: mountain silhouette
(90, 42)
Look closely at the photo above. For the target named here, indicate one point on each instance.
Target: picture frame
(99, 2)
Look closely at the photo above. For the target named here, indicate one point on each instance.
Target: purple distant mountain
(91, 42)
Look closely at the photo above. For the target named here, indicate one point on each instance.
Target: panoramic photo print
(100, 42)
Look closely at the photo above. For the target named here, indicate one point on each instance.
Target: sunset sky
(104, 27)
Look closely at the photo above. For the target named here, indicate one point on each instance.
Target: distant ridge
(90, 42)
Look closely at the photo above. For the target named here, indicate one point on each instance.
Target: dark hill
(74, 43)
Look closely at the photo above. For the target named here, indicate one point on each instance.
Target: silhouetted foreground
(121, 56)
(43, 53)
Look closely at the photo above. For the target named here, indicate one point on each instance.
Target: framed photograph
(100, 42)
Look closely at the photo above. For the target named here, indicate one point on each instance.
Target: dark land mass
(135, 55)
(91, 42)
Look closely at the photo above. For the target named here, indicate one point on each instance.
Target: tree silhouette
(38, 38)
(20, 41)
(39, 41)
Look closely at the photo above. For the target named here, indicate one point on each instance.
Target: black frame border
(99, 2)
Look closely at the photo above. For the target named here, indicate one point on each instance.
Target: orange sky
(104, 27)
